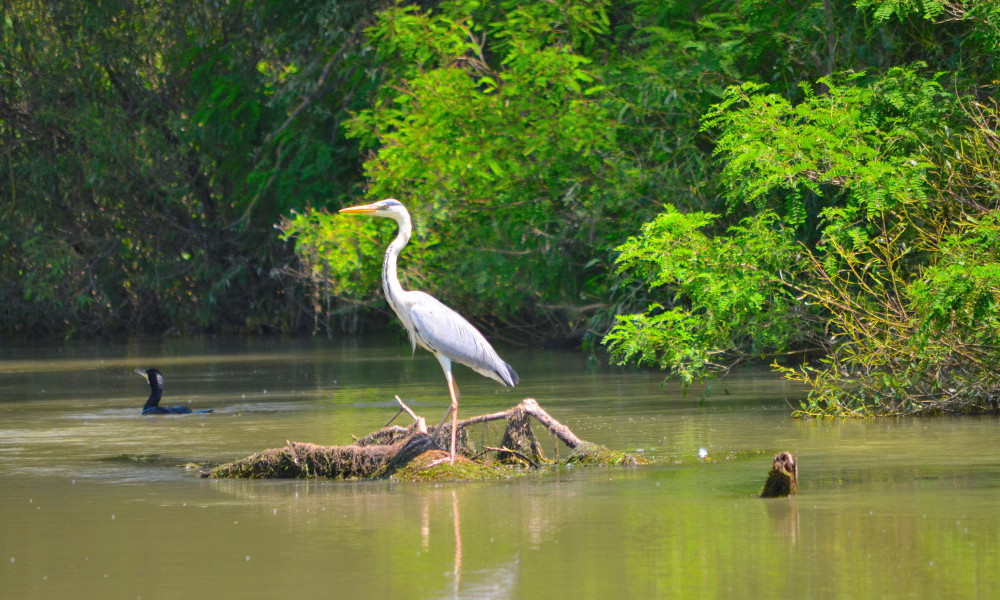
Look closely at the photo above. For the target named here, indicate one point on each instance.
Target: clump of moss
(597, 455)
(434, 465)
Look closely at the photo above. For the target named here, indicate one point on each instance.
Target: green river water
(95, 502)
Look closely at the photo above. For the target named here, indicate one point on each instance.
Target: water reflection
(784, 513)
(457, 520)
(429, 524)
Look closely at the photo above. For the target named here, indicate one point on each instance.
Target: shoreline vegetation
(695, 187)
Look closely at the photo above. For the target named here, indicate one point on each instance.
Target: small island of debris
(416, 452)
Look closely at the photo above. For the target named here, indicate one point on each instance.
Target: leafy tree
(492, 129)
(147, 148)
(731, 297)
(902, 276)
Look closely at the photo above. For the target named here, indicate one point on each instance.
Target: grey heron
(432, 325)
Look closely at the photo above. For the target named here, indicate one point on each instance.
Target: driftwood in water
(386, 451)
(783, 479)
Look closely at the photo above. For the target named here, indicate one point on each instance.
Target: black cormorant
(152, 406)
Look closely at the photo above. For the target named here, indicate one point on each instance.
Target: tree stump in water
(415, 449)
(783, 479)
(519, 444)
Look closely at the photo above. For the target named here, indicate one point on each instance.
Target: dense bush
(888, 177)
(149, 147)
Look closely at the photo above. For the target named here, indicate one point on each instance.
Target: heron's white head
(389, 208)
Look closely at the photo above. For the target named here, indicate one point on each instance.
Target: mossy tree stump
(416, 449)
(783, 478)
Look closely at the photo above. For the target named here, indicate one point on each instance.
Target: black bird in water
(152, 407)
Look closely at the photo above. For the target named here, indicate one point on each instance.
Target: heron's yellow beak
(359, 210)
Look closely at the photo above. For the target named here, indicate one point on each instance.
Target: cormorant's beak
(143, 373)
(365, 209)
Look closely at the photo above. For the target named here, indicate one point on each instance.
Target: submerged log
(415, 449)
(783, 479)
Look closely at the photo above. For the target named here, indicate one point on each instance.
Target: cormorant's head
(390, 208)
(152, 376)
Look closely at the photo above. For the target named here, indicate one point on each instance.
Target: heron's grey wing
(440, 329)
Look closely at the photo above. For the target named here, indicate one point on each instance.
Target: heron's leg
(453, 389)
(453, 409)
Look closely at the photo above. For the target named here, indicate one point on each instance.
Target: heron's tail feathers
(509, 376)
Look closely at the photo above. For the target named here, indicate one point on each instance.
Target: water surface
(95, 500)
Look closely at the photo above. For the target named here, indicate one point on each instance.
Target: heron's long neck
(390, 278)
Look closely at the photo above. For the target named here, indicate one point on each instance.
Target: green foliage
(492, 131)
(964, 35)
(910, 340)
(336, 263)
(888, 181)
(334, 252)
(146, 151)
(854, 147)
(961, 287)
(731, 295)
(901, 9)
(912, 301)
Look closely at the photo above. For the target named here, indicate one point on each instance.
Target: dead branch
(421, 423)
(531, 406)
